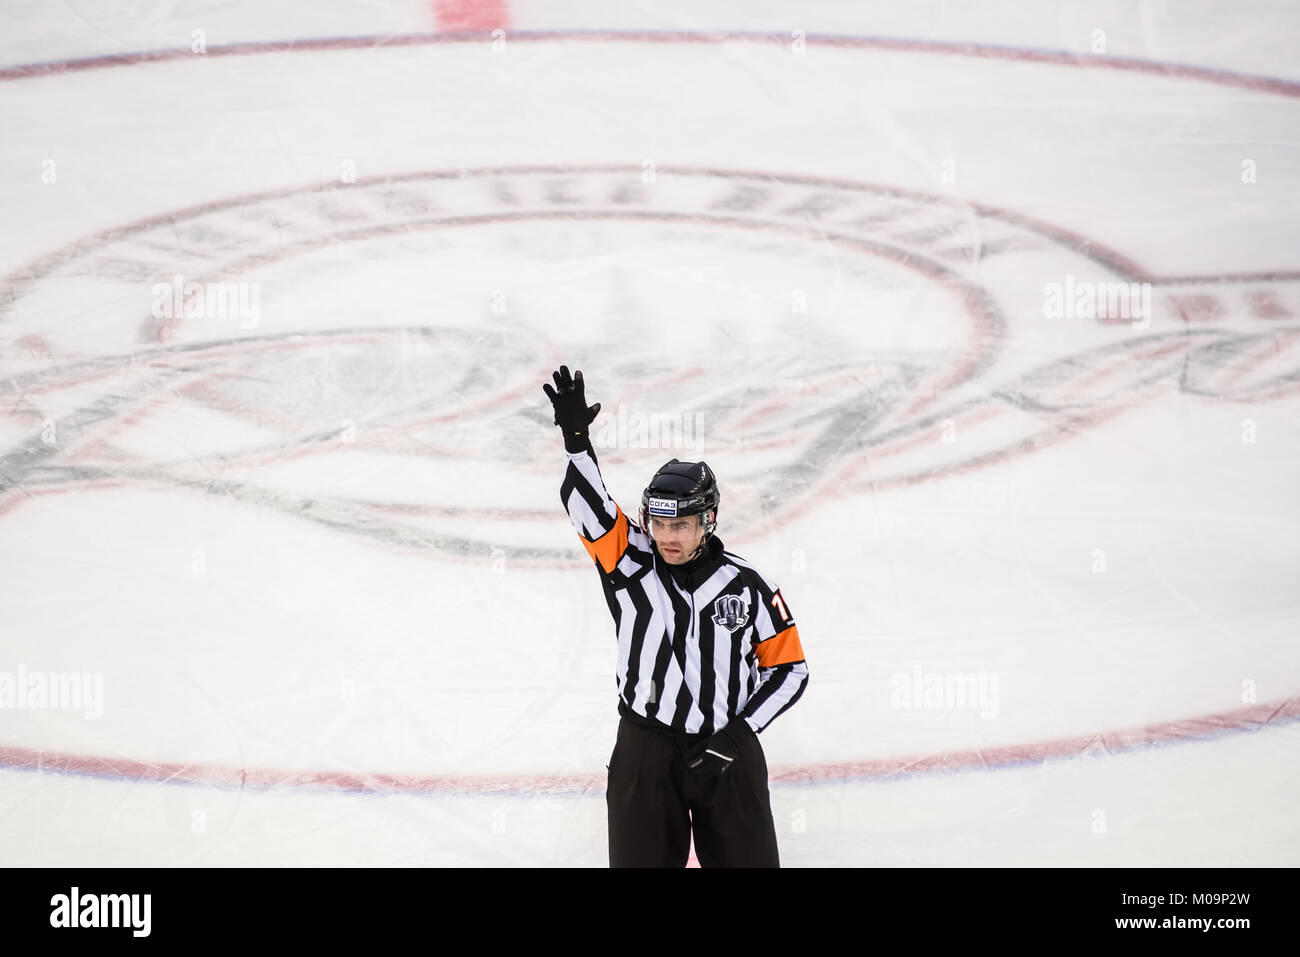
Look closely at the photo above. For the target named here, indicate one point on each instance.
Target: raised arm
(600, 523)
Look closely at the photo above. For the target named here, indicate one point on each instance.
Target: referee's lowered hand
(713, 757)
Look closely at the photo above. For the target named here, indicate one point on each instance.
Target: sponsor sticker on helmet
(662, 506)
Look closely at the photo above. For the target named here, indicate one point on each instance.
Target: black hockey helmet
(682, 488)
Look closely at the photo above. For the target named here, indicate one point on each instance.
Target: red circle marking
(1065, 58)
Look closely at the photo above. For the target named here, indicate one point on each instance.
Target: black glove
(714, 756)
(571, 412)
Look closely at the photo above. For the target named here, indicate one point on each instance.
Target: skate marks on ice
(405, 392)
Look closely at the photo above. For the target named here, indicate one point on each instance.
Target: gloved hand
(571, 412)
(713, 757)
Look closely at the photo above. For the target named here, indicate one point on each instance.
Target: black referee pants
(654, 804)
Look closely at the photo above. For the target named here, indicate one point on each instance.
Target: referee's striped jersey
(691, 655)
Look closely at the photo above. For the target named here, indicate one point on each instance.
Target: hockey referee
(708, 656)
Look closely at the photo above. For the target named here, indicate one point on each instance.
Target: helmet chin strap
(700, 548)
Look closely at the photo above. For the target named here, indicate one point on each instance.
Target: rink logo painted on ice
(1103, 301)
(56, 690)
(731, 612)
(945, 691)
(74, 909)
(825, 415)
(179, 299)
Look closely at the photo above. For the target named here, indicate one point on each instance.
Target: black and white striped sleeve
(600, 523)
(782, 668)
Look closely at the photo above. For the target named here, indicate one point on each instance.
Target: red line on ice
(455, 15)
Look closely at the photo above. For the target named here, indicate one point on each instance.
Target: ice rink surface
(286, 576)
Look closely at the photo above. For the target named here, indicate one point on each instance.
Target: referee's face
(677, 538)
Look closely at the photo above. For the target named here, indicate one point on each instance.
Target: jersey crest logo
(731, 612)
